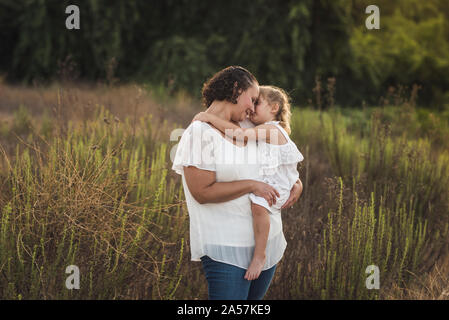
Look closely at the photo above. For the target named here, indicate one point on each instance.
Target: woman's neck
(220, 109)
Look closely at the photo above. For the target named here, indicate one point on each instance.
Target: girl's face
(263, 112)
(245, 103)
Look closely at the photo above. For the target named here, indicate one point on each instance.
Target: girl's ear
(275, 108)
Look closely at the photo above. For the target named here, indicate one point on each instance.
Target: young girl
(278, 157)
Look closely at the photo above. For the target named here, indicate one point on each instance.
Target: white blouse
(224, 231)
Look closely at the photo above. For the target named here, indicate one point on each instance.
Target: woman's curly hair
(227, 84)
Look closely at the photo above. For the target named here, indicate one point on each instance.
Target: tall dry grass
(85, 179)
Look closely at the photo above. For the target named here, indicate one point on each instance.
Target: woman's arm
(205, 189)
(234, 131)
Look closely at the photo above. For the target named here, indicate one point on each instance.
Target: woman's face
(246, 103)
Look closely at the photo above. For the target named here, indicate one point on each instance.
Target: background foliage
(179, 43)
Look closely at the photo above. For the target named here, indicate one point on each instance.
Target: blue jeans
(226, 282)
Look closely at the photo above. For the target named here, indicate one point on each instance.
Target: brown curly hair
(227, 84)
(277, 95)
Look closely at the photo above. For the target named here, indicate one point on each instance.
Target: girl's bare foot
(255, 268)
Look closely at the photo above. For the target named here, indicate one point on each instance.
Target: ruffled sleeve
(290, 154)
(273, 156)
(195, 148)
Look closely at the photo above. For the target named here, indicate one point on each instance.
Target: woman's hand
(202, 116)
(295, 193)
(265, 191)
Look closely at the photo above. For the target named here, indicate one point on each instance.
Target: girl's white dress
(278, 168)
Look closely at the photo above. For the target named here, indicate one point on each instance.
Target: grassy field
(86, 180)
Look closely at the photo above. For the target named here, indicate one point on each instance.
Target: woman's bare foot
(255, 268)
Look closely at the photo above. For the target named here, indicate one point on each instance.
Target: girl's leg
(260, 286)
(261, 226)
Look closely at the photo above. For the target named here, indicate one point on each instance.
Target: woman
(218, 176)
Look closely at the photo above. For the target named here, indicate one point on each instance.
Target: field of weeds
(86, 180)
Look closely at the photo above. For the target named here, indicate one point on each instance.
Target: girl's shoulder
(269, 124)
(272, 123)
(275, 124)
(283, 137)
(286, 151)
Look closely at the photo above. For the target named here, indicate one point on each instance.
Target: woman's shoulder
(198, 125)
(201, 134)
(199, 129)
(189, 151)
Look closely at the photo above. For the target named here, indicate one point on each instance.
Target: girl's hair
(227, 84)
(275, 95)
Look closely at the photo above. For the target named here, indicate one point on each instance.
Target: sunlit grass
(97, 191)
